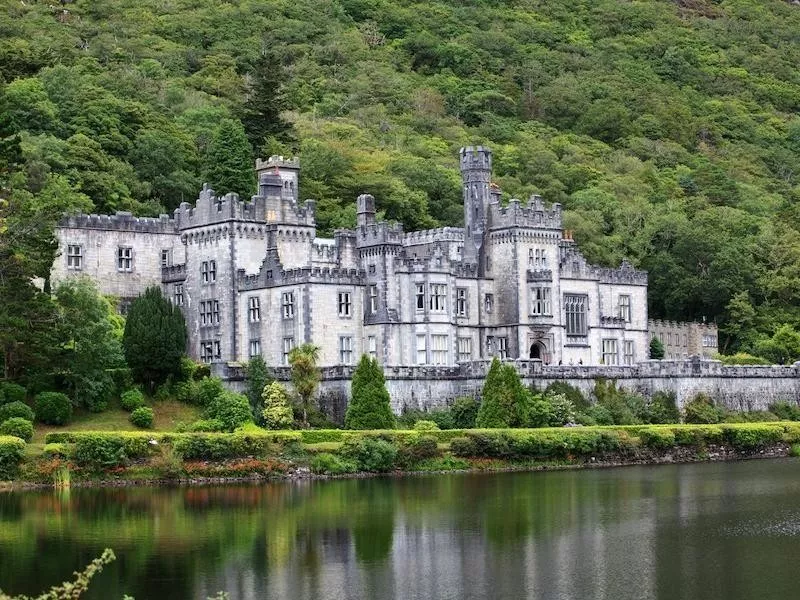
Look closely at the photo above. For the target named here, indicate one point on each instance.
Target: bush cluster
(12, 450)
(370, 454)
(331, 464)
(52, 408)
(216, 446)
(16, 409)
(548, 444)
(101, 450)
(11, 392)
(785, 411)
(142, 417)
(132, 399)
(229, 408)
(18, 427)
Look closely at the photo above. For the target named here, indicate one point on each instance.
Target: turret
(365, 210)
(476, 172)
(287, 169)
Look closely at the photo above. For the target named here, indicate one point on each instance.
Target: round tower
(476, 173)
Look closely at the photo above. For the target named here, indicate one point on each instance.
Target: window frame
(287, 305)
(372, 299)
(344, 304)
(420, 296)
(346, 350)
(609, 349)
(254, 309)
(440, 349)
(125, 259)
(255, 344)
(464, 348)
(462, 304)
(177, 294)
(75, 260)
(437, 298)
(421, 352)
(542, 301)
(288, 346)
(628, 352)
(576, 315)
(624, 309)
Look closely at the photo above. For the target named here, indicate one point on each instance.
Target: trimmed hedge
(132, 399)
(16, 409)
(11, 392)
(104, 450)
(216, 446)
(142, 417)
(52, 408)
(11, 451)
(17, 426)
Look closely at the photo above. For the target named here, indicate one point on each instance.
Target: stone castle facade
(253, 278)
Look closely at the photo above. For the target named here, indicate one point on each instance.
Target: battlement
(277, 161)
(324, 250)
(272, 277)
(574, 266)
(173, 273)
(376, 234)
(431, 236)
(121, 221)
(681, 325)
(475, 158)
(532, 214)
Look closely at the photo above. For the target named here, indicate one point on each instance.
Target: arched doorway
(537, 351)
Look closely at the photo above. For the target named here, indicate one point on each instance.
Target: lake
(712, 531)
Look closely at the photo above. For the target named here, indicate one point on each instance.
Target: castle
(253, 278)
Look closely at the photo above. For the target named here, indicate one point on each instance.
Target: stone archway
(537, 351)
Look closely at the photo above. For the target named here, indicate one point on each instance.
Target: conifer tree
(369, 406)
(656, 349)
(257, 379)
(505, 401)
(229, 165)
(277, 413)
(155, 338)
(262, 110)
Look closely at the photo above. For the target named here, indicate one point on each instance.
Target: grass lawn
(168, 413)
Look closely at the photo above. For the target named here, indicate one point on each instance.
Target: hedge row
(11, 452)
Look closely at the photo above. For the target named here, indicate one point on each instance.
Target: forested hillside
(668, 129)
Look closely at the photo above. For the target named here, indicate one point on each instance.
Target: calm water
(711, 531)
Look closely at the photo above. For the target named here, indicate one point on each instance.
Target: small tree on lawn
(305, 375)
(155, 338)
(369, 406)
(257, 379)
(505, 401)
(277, 411)
(656, 349)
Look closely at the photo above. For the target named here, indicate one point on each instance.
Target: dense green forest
(667, 128)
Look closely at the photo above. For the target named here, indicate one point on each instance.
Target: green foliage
(657, 438)
(305, 375)
(785, 411)
(218, 446)
(12, 450)
(782, 348)
(205, 425)
(330, 464)
(579, 401)
(369, 407)
(423, 425)
(656, 349)
(624, 408)
(232, 409)
(16, 409)
(701, 409)
(17, 426)
(142, 417)
(257, 379)
(741, 358)
(56, 450)
(753, 436)
(208, 390)
(277, 412)
(562, 410)
(90, 346)
(464, 411)
(132, 399)
(11, 392)
(52, 408)
(228, 165)
(505, 402)
(370, 454)
(155, 339)
(98, 451)
(662, 408)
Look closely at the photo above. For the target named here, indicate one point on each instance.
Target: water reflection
(711, 531)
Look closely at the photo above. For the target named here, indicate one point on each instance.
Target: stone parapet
(121, 221)
(173, 273)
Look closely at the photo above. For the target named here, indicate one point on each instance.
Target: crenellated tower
(476, 172)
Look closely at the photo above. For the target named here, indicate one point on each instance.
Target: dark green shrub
(600, 415)
(621, 406)
(132, 399)
(11, 392)
(505, 402)
(12, 450)
(662, 408)
(122, 379)
(415, 449)
(370, 454)
(216, 446)
(186, 392)
(100, 451)
(657, 437)
(586, 419)
(206, 425)
(18, 427)
(701, 410)
(570, 392)
(540, 413)
(464, 412)
(426, 426)
(142, 417)
(52, 408)
(232, 409)
(785, 411)
(202, 371)
(330, 464)
(490, 444)
(16, 409)
(370, 406)
(562, 411)
(462, 446)
(752, 437)
(755, 416)
(56, 450)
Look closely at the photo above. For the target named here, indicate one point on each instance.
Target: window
(288, 346)
(420, 297)
(371, 269)
(461, 302)
(439, 349)
(488, 303)
(255, 348)
(543, 258)
(438, 299)
(540, 301)
(254, 309)
(346, 350)
(124, 258)
(488, 263)
(178, 294)
(372, 346)
(627, 350)
(669, 338)
(685, 340)
(575, 310)
(709, 341)
(422, 350)
(373, 299)
(209, 312)
(502, 347)
(610, 352)
(209, 351)
(625, 308)
(75, 257)
(464, 349)
(531, 260)
(288, 305)
(344, 304)
(208, 271)
(166, 258)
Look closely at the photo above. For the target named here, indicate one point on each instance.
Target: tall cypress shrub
(155, 338)
(369, 406)
(505, 401)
